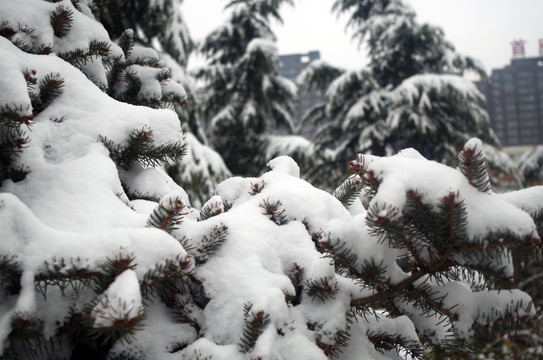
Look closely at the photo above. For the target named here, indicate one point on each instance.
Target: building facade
(290, 66)
(515, 101)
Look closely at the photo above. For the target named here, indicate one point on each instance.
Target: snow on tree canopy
(103, 256)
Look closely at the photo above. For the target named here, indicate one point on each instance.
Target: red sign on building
(518, 48)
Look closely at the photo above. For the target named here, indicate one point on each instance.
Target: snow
(76, 209)
(262, 45)
(483, 306)
(401, 173)
(285, 165)
(121, 301)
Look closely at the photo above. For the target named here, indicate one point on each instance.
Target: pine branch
(334, 350)
(140, 147)
(331, 343)
(27, 330)
(10, 274)
(210, 244)
(296, 276)
(322, 288)
(167, 279)
(384, 220)
(254, 325)
(349, 190)
(12, 143)
(61, 20)
(345, 260)
(10, 116)
(275, 211)
(168, 215)
(210, 210)
(50, 89)
(451, 221)
(126, 42)
(385, 342)
(80, 57)
(257, 187)
(124, 324)
(370, 180)
(421, 219)
(183, 313)
(64, 276)
(472, 163)
(112, 268)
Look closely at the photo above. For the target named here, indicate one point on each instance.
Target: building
(290, 66)
(515, 101)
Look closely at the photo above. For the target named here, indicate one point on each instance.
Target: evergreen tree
(103, 257)
(160, 25)
(246, 98)
(530, 165)
(412, 95)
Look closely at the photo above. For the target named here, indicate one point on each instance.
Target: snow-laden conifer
(161, 26)
(247, 99)
(412, 94)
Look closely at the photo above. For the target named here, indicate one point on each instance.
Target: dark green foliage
(13, 139)
(29, 44)
(210, 244)
(79, 57)
(113, 268)
(211, 209)
(254, 325)
(154, 21)
(349, 190)
(140, 147)
(26, 335)
(183, 310)
(385, 342)
(275, 211)
(124, 326)
(125, 83)
(345, 260)
(296, 276)
(63, 275)
(50, 88)
(331, 343)
(10, 274)
(257, 187)
(321, 288)
(167, 279)
(61, 21)
(168, 215)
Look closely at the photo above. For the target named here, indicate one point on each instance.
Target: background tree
(246, 98)
(530, 165)
(412, 94)
(160, 25)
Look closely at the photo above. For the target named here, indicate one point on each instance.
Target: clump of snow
(286, 165)
(120, 302)
(435, 180)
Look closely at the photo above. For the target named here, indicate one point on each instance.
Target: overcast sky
(482, 29)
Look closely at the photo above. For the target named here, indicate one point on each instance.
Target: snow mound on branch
(286, 165)
(71, 211)
(253, 266)
(434, 180)
(121, 301)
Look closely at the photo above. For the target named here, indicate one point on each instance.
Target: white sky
(482, 29)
